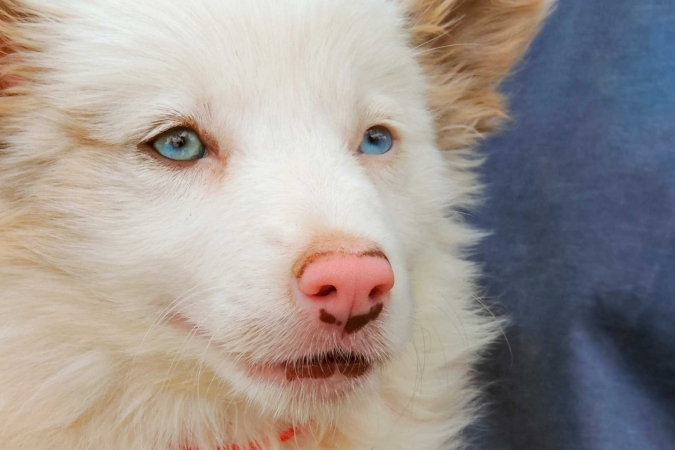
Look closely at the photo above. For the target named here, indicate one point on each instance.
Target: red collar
(283, 437)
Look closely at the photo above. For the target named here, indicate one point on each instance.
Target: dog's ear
(467, 47)
(14, 45)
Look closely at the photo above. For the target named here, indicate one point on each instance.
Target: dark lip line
(331, 356)
(327, 370)
(308, 359)
(317, 368)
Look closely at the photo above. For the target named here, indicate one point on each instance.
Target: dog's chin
(281, 392)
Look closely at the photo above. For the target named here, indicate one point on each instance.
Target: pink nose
(345, 290)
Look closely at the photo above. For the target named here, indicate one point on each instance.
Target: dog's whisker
(170, 309)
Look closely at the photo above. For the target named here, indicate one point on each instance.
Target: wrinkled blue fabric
(581, 204)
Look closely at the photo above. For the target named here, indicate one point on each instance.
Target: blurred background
(581, 203)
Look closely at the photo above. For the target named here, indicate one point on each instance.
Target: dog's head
(243, 188)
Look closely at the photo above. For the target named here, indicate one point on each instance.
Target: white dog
(234, 224)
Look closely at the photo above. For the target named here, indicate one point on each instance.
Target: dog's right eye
(179, 144)
(376, 141)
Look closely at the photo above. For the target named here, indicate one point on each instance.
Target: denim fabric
(581, 204)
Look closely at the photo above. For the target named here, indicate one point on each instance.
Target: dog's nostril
(325, 290)
(376, 293)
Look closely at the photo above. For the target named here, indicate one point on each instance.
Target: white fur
(102, 242)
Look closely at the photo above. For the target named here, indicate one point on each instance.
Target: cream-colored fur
(101, 242)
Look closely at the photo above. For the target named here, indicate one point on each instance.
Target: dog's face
(209, 170)
(203, 247)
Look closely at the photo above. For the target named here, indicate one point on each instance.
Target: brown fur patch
(15, 70)
(467, 47)
(334, 242)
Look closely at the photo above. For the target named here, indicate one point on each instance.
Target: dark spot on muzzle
(355, 323)
(327, 317)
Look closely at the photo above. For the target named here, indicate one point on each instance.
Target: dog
(239, 224)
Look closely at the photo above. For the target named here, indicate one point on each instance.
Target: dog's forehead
(169, 54)
(307, 48)
(251, 41)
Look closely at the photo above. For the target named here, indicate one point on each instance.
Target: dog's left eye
(180, 144)
(376, 141)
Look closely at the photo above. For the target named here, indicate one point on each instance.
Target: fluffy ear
(467, 47)
(14, 45)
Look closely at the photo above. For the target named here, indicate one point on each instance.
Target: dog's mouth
(331, 368)
(350, 365)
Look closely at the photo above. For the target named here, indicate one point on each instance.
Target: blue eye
(180, 144)
(376, 141)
